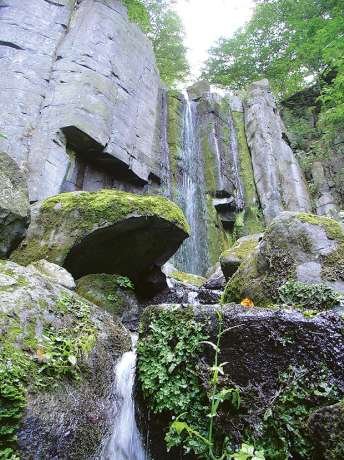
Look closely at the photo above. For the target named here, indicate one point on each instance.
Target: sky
(207, 20)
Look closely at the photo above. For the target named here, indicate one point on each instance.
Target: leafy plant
(124, 282)
(308, 296)
(284, 431)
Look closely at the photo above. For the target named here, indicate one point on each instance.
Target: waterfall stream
(192, 257)
(240, 196)
(125, 442)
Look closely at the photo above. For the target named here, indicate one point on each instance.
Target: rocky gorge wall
(83, 108)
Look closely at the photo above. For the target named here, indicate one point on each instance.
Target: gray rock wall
(79, 95)
(279, 179)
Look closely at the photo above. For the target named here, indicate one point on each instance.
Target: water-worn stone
(278, 177)
(51, 53)
(231, 259)
(14, 205)
(261, 348)
(296, 246)
(59, 352)
(54, 272)
(215, 278)
(105, 232)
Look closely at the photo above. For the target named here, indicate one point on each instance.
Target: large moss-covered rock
(296, 246)
(104, 232)
(14, 205)
(284, 365)
(57, 359)
(231, 259)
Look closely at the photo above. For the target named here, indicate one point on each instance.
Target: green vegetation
(172, 384)
(308, 296)
(291, 43)
(284, 430)
(164, 28)
(29, 362)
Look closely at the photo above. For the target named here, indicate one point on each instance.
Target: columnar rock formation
(84, 109)
(79, 95)
(279, 180)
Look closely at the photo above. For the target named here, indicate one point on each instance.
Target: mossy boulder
(108, 231)
(295, 247)
(231, 259)
(113, 293)
(57, 359)
(14, 205)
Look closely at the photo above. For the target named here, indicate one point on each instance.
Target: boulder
(326, 426)
(284, 365)
(54, 273)
(57, 358)
(187, 278)
(215, 278)
(14, 205)
(296, 247)
(231, 259)
(113, 293)
(105, 232)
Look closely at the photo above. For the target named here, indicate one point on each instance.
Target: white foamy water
(125, 442)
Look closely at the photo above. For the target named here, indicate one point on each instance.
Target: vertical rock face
(279, 180)
(80, 95)
(14, 205)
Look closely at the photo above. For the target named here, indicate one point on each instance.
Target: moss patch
(333, 229)
(77, 214)
(188, 278)
(107, 291)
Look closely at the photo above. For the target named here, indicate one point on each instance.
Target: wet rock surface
(261, 347)
(54, 273)
(69, 387)
(14, 205)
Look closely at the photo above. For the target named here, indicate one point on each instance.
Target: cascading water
(240, 196)
(125, 442)
(192, 257)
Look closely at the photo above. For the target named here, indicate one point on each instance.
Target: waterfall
(234, 150)
(192, 257)
(125, 442)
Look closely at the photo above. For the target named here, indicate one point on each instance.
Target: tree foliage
(293, 43)
(164, 28)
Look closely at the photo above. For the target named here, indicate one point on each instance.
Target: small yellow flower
(247, 302)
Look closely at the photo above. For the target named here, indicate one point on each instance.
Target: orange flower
(247, 302)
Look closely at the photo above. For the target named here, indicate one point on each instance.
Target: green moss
(188, 278)
(209, 159)
(106, 291)
(333, 229)
(216, 235)
(241, 249)
(91, 209)
(29, 362)
(174, 131)
(333, 265)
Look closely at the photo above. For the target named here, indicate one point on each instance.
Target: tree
(164, 28)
